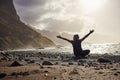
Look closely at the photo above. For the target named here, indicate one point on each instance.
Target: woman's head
(76, 37)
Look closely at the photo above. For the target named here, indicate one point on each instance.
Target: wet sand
(58, 66)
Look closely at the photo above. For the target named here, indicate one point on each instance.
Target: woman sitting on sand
(76, 43)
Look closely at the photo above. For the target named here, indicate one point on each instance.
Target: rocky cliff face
(7, 6)
(14, 34)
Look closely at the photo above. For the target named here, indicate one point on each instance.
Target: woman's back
(77, 47)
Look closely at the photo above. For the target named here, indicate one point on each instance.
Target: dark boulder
(15, 63)
(2, 75)
(47, 63)
(103, 60)
(70, 63)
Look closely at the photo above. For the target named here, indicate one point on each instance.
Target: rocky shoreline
(34, 65)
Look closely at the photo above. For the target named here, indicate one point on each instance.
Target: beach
(43, 64)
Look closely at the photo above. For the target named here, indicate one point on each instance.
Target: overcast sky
(72, 16)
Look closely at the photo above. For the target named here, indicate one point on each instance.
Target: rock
(24, 73)
(20, 73)
(46, 71)
(41, 58)
(46, 75)
(80, 64)
(116, 74)
(114, 69)
(41, 67)
(97, 68)
(55, 78)
(27, 59)
(70, 63)
(56, 63)
(46, 63)
(13, 74)
(100, 72)
(32, 61)
(4, 58)
(73, 72)
(103, 60)
(15, 63)
(82, 60)
(2, 75)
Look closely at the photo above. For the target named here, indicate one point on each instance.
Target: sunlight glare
(92, 5)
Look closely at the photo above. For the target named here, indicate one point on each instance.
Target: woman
(76, 43)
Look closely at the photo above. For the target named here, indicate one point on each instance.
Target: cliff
(14, 34)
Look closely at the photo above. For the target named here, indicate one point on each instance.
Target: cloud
(50, 14)
(72, 25)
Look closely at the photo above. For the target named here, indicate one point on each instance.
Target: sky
(73, 16)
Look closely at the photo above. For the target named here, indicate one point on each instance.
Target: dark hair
(76, 37)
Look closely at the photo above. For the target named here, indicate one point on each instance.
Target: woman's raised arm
(64, 38)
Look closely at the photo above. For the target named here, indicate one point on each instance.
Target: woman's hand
(59, 36)
(91, 31)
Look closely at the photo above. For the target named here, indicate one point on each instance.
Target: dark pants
(83, 54)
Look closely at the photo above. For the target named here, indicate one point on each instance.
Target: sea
(108, 48)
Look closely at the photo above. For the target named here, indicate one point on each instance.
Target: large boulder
(2, 75)
(103, 60)
(15, 63)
